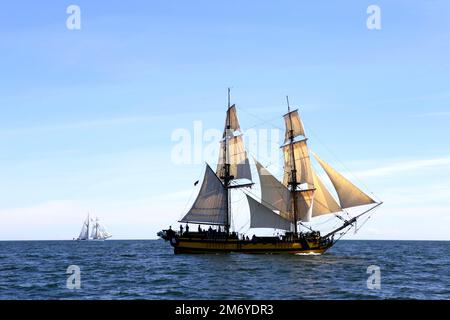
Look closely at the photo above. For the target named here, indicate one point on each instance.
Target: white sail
(236, 157)
(232, 150)
(98, 231)
(94, 232)
(231, 122)
(304, 200)
(349, 195)
(324, 202)
(294, 125)
(263, 217)
(102, 234)
(273, 192)
(210, 207)
(84, 233)
(302, 163)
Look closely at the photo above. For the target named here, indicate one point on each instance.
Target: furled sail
(349, 195)
(231, 122)
(263, 217)
(324, 202)
(302, 163)
(273, 192)
(210, 207)
(294, 126)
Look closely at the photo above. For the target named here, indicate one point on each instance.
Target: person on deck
(187, 227)
(209, 231)
(181, 229)
(200, 229)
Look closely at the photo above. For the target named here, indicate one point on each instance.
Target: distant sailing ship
(284, 205)
(98, 232)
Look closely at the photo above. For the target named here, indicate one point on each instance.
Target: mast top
(229, 103)
(287, 100)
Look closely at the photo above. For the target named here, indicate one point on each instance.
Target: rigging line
(343, 234)
(368, 217)
(190, 198)
(269, 205)
(341, 163)
(272, 208)
(362, 224)
(326, 221)
(280, 159)
(263, 121)
(242, 227)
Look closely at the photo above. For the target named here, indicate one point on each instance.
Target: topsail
(231, 122)
(297, 156)
(232, 150)
(294, 126)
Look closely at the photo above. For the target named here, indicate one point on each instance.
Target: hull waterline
(195, 243)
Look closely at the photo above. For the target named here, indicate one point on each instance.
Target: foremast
(213, 203)
(293, 183)
(227, 177)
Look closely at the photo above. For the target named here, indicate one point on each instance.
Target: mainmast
(293, 183)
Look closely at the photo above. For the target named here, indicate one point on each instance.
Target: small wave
(308, 254)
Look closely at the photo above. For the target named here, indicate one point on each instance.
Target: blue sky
(87, 116)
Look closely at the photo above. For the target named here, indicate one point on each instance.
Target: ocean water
(149, 270)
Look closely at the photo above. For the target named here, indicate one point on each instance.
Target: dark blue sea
(149, 270)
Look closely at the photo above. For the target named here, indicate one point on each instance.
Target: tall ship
(98, 231)
(287, 206)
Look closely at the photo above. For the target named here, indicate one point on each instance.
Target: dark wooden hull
(186, 244)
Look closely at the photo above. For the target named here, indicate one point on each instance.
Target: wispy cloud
(88, 124)
(405, 166)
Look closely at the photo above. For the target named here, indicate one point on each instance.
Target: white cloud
(405, 166)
